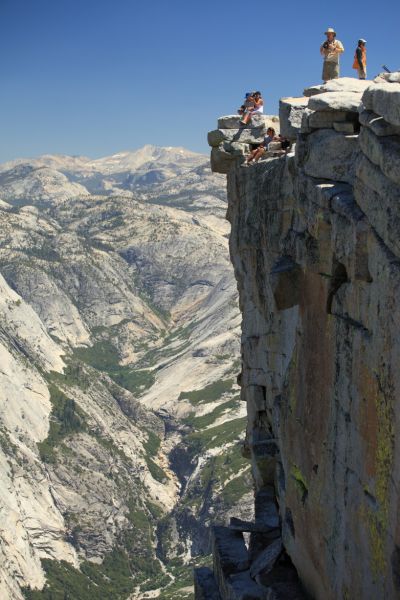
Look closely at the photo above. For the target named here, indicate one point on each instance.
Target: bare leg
(251, 155)
(246, 118)
(259, 152)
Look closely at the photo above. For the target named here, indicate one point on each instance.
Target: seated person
(258, 103)
(285, 145)
(263, 147)
(256, 106)
(248, 104)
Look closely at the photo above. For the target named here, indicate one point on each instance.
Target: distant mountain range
(67, 176)
(120, 416)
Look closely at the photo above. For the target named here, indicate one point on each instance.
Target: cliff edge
(316, 250)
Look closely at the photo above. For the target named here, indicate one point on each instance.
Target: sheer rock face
(316, 257)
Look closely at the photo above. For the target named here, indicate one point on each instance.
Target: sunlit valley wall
(120, 416)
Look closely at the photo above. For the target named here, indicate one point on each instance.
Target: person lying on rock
(263, 147)
(331, 49)
(360, 59)
(257, 106)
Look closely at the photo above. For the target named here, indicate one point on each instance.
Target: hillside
(120, 413)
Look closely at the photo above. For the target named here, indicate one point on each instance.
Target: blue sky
(94, 77)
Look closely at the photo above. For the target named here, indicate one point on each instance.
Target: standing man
(360, 59)
(331, 50)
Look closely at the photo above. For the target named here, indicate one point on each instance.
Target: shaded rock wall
(315, 248)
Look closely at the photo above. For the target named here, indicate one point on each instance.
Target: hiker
(360, 59)
(286, 144)
(331, 50)
(247, 104)
(253, 104)
(263, 147)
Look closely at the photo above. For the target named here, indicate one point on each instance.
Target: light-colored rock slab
(323, 119)
(379, 199)
(257, 120)
(221, 161)
(343, 84)
(383, 152)
(255, 135)
(331, 155)
(290, 115)
(343, 101)
(377, 123)
(384, 99)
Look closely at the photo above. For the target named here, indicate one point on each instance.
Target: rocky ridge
(314, 245)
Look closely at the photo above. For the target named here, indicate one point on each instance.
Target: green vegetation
(7, 446)
(156, 354)
(74, 375)
(210, 393)
(216, 436)
(63, 582)
(152, 445)
(234, 490)
(136, 381)
(131, 563)
(229, 473)
(300, 481)
(46, 252)
(156, 472)
(103, 356)
(65, 418)
(99, 245)
(209, 418)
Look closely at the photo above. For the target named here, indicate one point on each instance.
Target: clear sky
(93, 77)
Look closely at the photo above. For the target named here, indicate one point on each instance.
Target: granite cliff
(315, 249)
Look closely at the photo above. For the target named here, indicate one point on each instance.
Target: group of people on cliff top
(332, 48)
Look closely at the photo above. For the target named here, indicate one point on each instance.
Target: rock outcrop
(231, 139)
(315, 248)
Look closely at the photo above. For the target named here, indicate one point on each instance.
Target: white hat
(330, 30)
(363, 41)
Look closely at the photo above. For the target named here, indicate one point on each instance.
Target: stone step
(229, 551)
(266, 510)
(205, 585)
(267, 558)
(281, 573)
(230, 558)
(249, 527)
(242, 587)
(285, 591)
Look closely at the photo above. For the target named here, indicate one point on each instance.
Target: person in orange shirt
(360, 59)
